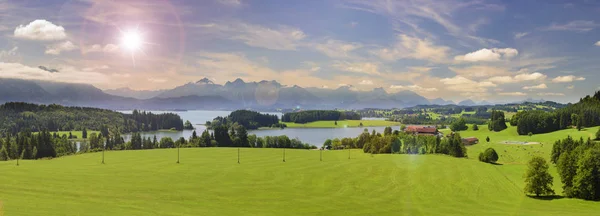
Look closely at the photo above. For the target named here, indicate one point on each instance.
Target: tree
(487, 139)
(402, 127)
(188, 126)
(166, 142)
(586, 183)
(360, 125)
(574, 119)
(328, 144)
(84, 133)
(488, 156)
(387, 131)
(335, 122)
(598, 134)
(459, 125)
(497, 121)
(475, 127)
(537, 179)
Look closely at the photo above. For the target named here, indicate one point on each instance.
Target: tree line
(578, 165)
(398, 142)
(17, 116)
(28, 145)
(249, 119)
(319, 115)
(585, 113)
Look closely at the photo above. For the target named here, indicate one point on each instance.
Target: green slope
(210, 182)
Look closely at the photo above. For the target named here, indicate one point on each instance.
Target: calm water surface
(314, 136)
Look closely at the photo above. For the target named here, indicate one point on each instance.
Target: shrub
(475, 127)
(488, 156)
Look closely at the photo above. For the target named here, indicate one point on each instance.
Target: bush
(598, 134)
(488, 156)
(459, 125)
(475, 127)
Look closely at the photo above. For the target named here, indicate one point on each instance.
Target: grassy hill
(208, 181)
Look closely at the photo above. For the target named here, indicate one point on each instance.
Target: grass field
(208, 181)
(343, 123)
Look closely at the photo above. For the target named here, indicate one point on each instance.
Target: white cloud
(519, 35)
(413, 48)
(550, 94)
(366, 82)
(280, 38)
(40, 30)
(66, 74)
(480, 71)
(108, 48)
(597, 43)
(337, 49)
(357, 67)
(540, 86)
(512, 94)
(415, 88)
(494, 54)
(8, 53)
(566, 79)
(233, 3)
(57, 48)
(462, 84)
(518, 78)
(577, 26)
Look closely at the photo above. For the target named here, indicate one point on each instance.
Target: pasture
(209, 181)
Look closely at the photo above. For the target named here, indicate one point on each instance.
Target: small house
(422, 130)
(470, 140)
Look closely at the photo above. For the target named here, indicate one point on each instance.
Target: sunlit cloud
(567, 79)
(40, 30)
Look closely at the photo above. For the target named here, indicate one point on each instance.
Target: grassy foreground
(342, 124)
(208, 181)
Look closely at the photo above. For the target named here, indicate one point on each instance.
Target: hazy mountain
(138, 94)
(468, 102)
(205, 94)
(440, 101)
(22, 90)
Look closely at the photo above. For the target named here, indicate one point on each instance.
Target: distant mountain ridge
(205, 94)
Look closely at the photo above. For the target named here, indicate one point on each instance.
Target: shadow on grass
(552, 197)
(495, 163)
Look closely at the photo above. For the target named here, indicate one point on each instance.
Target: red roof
(421, 129)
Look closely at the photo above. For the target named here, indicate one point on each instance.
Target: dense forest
(28, 145)
(319, 115)
(16, 117)
(585, 113)
(249, 119)
(578, 165)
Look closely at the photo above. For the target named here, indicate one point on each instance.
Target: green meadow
(342, 123)
(209, 181)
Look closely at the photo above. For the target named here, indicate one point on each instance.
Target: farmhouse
(422, 130)
(470, 140)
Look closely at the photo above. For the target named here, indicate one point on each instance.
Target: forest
(16, 117)
(249, 119)
(585, 113)
(319, 115)
(578, 165)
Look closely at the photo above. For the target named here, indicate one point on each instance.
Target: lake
(313, 136)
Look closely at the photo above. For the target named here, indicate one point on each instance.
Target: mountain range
(205, 94)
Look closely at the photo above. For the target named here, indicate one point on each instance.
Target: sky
(456, 50)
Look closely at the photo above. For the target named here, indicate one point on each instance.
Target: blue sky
(482, 50)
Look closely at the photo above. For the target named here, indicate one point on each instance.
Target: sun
(132, 40)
